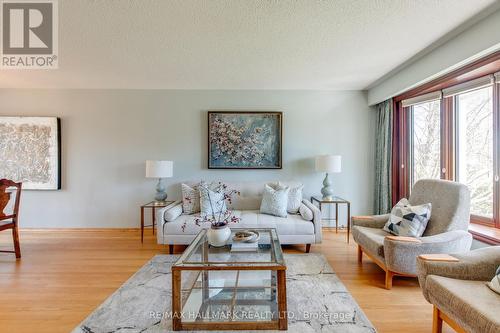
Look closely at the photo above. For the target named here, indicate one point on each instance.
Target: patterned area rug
(317, 300)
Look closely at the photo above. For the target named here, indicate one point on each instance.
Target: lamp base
(161, 195)
(327, 190)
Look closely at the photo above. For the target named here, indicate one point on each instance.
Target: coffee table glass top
(199, 253)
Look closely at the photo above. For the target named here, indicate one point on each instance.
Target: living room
(250, 165)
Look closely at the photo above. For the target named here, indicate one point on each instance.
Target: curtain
(383, 158)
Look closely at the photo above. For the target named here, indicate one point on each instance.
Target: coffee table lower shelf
(221, 313)
(219, 289)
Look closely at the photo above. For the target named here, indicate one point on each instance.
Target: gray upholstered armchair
(456, 286)
(446, 231)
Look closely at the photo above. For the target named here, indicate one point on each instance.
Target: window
(425, 141)
(449, 128)
(474, 152)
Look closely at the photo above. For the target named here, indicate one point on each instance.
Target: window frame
(411, 127)
(401, 166)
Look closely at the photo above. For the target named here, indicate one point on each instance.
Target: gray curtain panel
(383, 158)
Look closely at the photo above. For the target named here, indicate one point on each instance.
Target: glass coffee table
(217, 289)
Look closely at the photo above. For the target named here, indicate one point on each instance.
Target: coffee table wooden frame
(276, 265)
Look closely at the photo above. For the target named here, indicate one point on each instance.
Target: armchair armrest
(316, 219)
(404, 239)
(160, 219)
(373, 221)
(479, 265)
(401, 256)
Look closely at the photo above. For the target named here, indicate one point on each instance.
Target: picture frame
(31, 151)
(245, 139)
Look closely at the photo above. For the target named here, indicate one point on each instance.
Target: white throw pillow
(172, 213)
(294, 198)
(190, 199)
(306, 212)
(274, 201)
(211, 202)
(407, 220)
(495, 282)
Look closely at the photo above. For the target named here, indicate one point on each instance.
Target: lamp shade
(329, 163)
(159, 169)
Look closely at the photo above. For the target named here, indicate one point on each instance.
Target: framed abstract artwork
(245, 140)
(30, 150)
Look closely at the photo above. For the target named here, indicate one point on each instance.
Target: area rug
(317, 300)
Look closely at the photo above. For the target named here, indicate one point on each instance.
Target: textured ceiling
(240, 44)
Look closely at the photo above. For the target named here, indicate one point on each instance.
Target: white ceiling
(240, 44)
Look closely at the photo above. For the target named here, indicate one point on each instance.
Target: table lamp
(160, 170)
(328, 164)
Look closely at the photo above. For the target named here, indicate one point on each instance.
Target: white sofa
(291, 230)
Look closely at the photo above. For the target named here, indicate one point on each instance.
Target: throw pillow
(190, 199)
(407, 220)
(211, 202)
(172, 213)
(306, 212)
(495, 282)
(274, 201)
(294, 198)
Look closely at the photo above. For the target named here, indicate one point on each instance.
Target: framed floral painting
(244, 140)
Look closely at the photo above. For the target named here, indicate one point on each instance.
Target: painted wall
(108, 134)
(475, 42)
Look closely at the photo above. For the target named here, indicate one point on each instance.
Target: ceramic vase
(218, 236)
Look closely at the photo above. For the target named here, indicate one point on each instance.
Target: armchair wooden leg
(437, 321)
(170, 249)
(308, 248)
(360, 254)
(388, 279)
(15, 237)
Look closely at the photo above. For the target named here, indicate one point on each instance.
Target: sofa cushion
(470, 303)
(306, 212)
(250, 192)
(291, 225)
(294, 196)
(371, 239)
(212, 200)
(274, 201)
(190, 198)
(173, 213)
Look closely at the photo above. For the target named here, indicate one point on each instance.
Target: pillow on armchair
(495, 282)
(407, 220)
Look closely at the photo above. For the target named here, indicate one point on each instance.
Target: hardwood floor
(65, 274)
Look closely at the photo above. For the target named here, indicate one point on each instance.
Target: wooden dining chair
(10, 221)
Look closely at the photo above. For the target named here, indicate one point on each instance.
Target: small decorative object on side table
(153, 205)
(336, 200)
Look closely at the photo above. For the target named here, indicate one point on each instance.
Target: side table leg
(348, 220)
(320, 214)
(142, 224)
(153, 218)
(336, 218)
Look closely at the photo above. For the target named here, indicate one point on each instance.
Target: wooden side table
(336, 200)
(153, 205)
